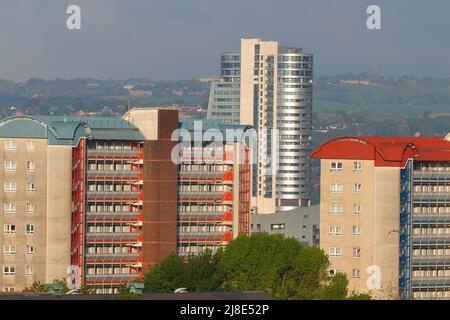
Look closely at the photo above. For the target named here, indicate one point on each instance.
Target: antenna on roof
(128, 104)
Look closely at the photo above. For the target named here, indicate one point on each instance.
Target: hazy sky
(182, 39)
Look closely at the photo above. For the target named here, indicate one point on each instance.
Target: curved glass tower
(294, 112)
(275, 92)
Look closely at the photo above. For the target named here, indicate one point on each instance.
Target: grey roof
(67, 130)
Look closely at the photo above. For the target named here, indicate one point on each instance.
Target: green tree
(280, 266)
(39, 287)
(336, 288)
(166, 276)
(202, 272)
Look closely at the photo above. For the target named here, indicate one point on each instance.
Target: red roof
(386, 151)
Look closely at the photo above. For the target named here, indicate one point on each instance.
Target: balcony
(206, 195)
(431, 217)
(444, 196)
(418, 260)
(427, 238)
(432, 280)
(200, 214)
(212, 236)
(113, 215)
(113, 174)
(109, 257)
(113, 153)
(205, 216)
(108, 236)
(431, 175)
(110, 277)
(113, 194)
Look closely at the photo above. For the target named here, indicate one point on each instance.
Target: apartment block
(213, 189)
(384, 216)
(107, 198)
(35, 200)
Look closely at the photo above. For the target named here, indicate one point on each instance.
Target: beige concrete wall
(146, 120)
(20, 218)
(387, 229)
(248, 80)
(379, 200)
(59, 210)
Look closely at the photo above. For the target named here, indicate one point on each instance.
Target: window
(335, 252)
(335, 208)
(278, 226)
(356, 208)
(31, 208)
(356, 252)
(336, 166)
(29, 249)
(9, 270)
(10, 166)
(333, 272)
(9, 250)
(336, 187)
(356, 230)
(10, 187)
(31, 166)
(9, 207)
(335, 231)
(10, 145)
(357, 166)
(31, 145)
(28, 270)
(9, 228)
(29, 228)
(8, 289)
(356, 273)
(357, 187)
(31, 187)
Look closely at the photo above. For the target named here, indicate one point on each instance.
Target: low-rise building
(301, 223)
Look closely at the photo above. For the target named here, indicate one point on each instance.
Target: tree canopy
(280, 266)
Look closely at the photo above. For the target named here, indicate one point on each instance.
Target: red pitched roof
(386, 151)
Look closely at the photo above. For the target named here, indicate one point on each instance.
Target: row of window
(443, 188)
(11, 166)
(12, 187)
(336, 208)
(431, 252)
(356, 273)
(339, 166)
(12, 145)
(10, 249)
(337, 252)
(10, 207)
(11, 228)
(11, 271)
(338, 230)
(339, 187)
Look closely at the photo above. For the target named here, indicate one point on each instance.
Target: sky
(182, 39)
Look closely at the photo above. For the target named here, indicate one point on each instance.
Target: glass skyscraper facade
(269, 86)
